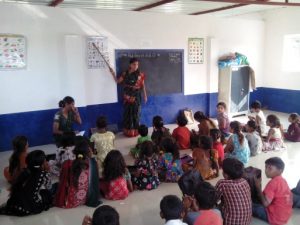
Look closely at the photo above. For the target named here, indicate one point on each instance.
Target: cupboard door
(239, 89)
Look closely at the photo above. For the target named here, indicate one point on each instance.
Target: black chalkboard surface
(163, 69)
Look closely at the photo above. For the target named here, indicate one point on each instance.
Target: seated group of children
(229, 202)
(82, 168)
(255, 133)
(273, 139)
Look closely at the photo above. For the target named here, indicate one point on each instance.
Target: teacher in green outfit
(64, 118)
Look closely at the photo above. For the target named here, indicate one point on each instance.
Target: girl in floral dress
(170, 169)
(146, 176)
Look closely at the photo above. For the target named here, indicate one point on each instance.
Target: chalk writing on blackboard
(140, 55)
(163, 68)
(175, 57)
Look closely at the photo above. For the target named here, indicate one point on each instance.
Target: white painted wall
(56, 51)
(279, 23)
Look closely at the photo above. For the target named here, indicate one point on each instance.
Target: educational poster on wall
(94, 59)
(196, 50)
(12, 52)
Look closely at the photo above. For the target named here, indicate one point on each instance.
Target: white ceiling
(175, 7)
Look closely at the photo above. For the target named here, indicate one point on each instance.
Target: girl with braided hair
(237, 145)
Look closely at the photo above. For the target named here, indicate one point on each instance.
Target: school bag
(188, 181)
(250, 173)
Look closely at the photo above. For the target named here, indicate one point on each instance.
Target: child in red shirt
(116, 184)
(276, 199)
(202, 206)
(217, 145)
(182, 134)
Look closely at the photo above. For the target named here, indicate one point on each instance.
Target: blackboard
(163, 68)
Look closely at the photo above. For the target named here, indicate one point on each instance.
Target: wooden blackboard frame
(132, 51)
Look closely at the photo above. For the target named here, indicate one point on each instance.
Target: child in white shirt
(171, 209)
(258, 116)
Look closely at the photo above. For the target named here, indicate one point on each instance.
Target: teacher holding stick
(133, 83)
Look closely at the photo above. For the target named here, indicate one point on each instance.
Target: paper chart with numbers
(94, 59)
(196, 50)
(12, 52)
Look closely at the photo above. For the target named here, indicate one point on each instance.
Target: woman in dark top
(64, 118)
(30, 194)
(133, 83)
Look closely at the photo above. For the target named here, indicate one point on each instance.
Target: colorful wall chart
(94, 59)
(12, 52)
(196, 50)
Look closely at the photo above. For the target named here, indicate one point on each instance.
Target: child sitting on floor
(78, 179)
(237, 145)
(103, 215)
(143, 132)
(234, 194)
(116, 182)
(30, 194)
(159, 131)
(146, 176)
(258, 116)
(203, 207)
(276, 198)
(223, 119)
(253, 137)
(17, 160)
(293, 132)
(217, 145)
(296, 195)
(170, 169)
(104, 142)
(182, 134)
(171, 209)
(205, 124)
(63, 153)
(206, 158)
(274, 140)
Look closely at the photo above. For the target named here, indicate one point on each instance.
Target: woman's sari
(132, 86)
(87, 192)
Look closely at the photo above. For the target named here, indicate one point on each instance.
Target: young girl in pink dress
(116, 183)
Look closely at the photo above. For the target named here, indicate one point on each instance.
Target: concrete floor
(142, 207)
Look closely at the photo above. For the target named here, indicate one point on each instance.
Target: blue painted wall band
(37, 125)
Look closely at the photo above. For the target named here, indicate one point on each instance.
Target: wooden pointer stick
(107, 64)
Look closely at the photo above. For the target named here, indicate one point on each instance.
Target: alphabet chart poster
(94, 59)
(12, 52)
(196, 50)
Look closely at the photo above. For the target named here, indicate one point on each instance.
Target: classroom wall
(274, 75)
(280, 90)
(56, 63)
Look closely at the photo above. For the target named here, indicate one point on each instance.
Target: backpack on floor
(250, 173)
